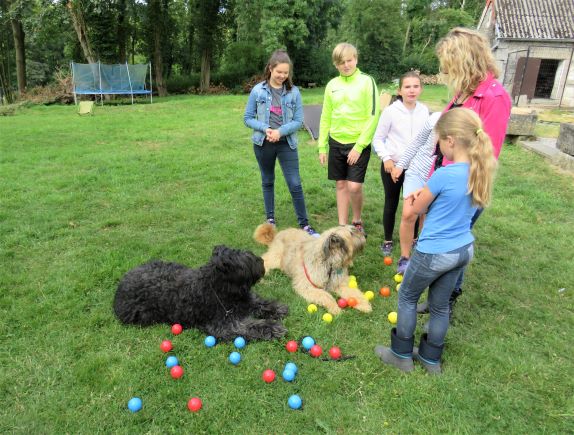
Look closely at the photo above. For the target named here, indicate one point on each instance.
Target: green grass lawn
(84, 199)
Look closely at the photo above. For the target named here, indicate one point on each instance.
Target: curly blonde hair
(465, 59)
(465, 127)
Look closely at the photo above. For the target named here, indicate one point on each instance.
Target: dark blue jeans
(439, 273)
(288, 158)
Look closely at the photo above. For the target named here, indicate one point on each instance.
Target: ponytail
(466, 128)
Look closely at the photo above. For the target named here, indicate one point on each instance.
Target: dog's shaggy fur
(215, 298)
(317, 266)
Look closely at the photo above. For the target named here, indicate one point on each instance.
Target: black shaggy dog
(216, 298)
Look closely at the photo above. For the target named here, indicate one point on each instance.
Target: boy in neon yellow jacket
(348, 122)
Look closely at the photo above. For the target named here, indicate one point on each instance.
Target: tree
(6, 95)
(15, 13)
(206, 24)
(77, 16)
(157, 9)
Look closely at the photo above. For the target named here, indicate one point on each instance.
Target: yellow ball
(352, 278)
(369, 295)
(353, 284)
(312, 308)
(398, 277)
(327, 317)
(392, 317)
(398, 287)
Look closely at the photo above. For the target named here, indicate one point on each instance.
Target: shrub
(182, 84)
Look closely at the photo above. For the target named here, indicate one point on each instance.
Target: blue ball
(210, 341)
(239, 342)
(295, 402)
(234, 358)
(308, 342)
(291, 366)
(135, 404)
(171, 361)
(288, 375)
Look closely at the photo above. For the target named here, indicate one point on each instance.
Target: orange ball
(388, 261)
(352, 302)
(385, 292)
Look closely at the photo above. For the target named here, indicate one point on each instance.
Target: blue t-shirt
(447, 224)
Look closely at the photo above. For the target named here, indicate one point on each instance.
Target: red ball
(194, 404)
(268, 376)
(342, 303)
(316, 351)
(176, 329)
(166, 346)
(291, 346)
(176, 372)
(335, 352)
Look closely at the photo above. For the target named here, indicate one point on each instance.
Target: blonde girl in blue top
(445, 245)
(275, 113)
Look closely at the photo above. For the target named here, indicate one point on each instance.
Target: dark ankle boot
(452, 300)
(428, 355)
(399, 354)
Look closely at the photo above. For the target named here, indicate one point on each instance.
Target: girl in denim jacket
(445, 245)
(275, 113)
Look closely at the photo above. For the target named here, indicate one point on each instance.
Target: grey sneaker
(387, 248)
(310, 230)
(402, 265)
(403, 363)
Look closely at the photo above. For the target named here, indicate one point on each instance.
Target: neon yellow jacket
(350, 111)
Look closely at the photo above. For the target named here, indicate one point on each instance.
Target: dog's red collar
(308, 277)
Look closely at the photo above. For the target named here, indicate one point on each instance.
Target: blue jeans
(474, 218)
(438, 272)
(266, 155)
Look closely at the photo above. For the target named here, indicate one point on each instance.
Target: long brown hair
(465, 127)
(279, 56)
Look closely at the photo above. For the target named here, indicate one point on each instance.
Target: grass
(83, 200)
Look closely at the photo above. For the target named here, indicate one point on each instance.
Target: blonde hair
(343, 49)
(465, 59)
(465, 127)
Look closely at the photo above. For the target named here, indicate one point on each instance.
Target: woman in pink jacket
(470, 71)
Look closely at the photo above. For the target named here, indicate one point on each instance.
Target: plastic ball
(316, 351)
(176, 329)
(398, 278)
(176, 372)
(369, 295)
(353, 284)
(291, 366)
(291, 346)
(171, 361)
(234, 358)
(288, 375)
(239, 342)
(385, 292)
(398, 287)
(335, 352)
(388, 261)
(166, 346)
(295, 402)
(135, 404)
(392, 317)
(327, 317)
(352, 278)
(210, 341)
(312, 308)
(268, 376)
(194, 404)
(342, 302)
(352, 302)
(308, 343)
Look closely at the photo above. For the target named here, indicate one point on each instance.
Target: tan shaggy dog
(317, 266)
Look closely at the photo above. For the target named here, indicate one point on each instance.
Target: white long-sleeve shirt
(397, 127)
(419, 155)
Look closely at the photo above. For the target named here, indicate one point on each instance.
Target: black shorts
(339, 169)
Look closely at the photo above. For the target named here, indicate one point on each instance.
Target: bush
(182, 84)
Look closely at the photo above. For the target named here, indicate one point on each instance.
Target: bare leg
(343, 200)
(406, 229)
(356, 196)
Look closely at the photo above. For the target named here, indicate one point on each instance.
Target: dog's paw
(334, 309)
(363, 305)
(282, 310)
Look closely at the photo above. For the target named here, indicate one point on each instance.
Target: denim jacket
(258, 110)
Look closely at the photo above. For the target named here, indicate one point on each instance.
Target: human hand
(396, 172)
(273, 135)
(389, 165)
(323, 158)
(413, 196)
(353, 157)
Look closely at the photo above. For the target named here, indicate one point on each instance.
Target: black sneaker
(310, 230)
(271, 221)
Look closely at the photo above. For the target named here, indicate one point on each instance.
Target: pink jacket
(492, 104)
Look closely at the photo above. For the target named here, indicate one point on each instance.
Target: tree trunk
(81, 30)
(158, 63)
(205, 70)
(406, 37)
(122, 32)
(20, 48)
